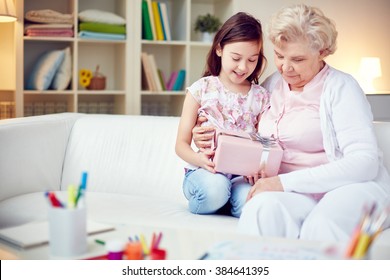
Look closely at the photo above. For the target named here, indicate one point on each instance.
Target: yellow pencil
(362, 246)
(144, 245)
(72, 196)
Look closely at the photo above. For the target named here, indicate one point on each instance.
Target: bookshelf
(185, 51)
(119, 60)
(112, 56)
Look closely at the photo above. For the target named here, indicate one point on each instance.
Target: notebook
(37, 233)
(256, 250)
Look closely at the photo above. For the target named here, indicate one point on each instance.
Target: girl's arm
(184, 136)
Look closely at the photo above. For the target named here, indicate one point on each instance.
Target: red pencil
(54, 200)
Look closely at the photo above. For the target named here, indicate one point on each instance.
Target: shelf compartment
(169, 58)
(33, 49)
(109, 57)
(220, 8)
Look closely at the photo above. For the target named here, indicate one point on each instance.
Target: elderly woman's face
(297, 63)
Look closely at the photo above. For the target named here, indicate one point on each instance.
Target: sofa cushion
(120, 210)
(126, 154)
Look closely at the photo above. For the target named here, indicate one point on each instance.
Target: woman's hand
(253, 179)
(272, 184)
(202, 135)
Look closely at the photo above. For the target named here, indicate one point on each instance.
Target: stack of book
(155, 21)
(153, 78)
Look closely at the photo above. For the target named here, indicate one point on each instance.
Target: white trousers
(295, 215)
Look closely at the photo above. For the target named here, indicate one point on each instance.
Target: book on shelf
(171, 80)
(179, 82)
(165, 21)
(151, 17)
(146, 24)
(155, 72)
(148, 74)
(157, 21)
(162, 79)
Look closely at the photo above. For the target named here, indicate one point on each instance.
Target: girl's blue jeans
(208, 192)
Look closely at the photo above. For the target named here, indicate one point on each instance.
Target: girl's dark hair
(241, 27)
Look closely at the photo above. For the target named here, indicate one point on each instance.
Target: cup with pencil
(369, 227)
(68, 221)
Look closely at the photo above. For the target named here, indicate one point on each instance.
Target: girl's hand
(272, 184)
(205, 160)
(202, 136)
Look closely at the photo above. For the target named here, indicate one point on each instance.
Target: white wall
(363, 27)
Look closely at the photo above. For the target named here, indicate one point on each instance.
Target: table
(190, 244)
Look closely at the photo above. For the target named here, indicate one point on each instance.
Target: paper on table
(243, 250)
(37, 233)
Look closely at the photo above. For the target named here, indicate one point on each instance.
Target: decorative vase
(207, 37)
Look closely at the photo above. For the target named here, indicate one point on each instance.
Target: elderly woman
(331, 167)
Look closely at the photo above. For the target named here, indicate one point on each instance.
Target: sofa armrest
(382, 131)
(32, 151)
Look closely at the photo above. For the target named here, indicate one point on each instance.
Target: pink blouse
(293, 118)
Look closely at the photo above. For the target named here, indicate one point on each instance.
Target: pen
(83, 186)
(84, 177)
(152, 244)
(157, 243)
(71, 196)
(356, 234)
(204, 256)
(145, 248)
(101, 242)
(54, 201)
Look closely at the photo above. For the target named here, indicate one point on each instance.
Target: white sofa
(134, 175)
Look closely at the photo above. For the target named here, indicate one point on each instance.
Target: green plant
(207, 23)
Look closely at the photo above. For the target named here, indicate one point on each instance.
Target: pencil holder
(67, 231)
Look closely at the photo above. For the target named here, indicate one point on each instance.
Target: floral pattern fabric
(229, 110)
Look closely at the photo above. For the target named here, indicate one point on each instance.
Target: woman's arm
(349, 141)
(184, 137)
(202, 135)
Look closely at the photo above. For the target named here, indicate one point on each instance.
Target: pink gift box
(236, 153)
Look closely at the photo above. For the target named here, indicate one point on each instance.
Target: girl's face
(238, 61)
(297, 63)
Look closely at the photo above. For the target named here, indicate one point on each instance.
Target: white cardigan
(348, 137)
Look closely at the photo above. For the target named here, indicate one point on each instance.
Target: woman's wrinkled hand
(202, 135)
(272, 184)
(253, 179)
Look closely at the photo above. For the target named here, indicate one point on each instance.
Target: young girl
(229, 96)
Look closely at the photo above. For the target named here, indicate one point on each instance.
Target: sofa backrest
(125, 154)
(32, 152)
(382, 131)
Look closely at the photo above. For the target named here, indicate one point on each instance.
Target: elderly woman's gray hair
(299, 22)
